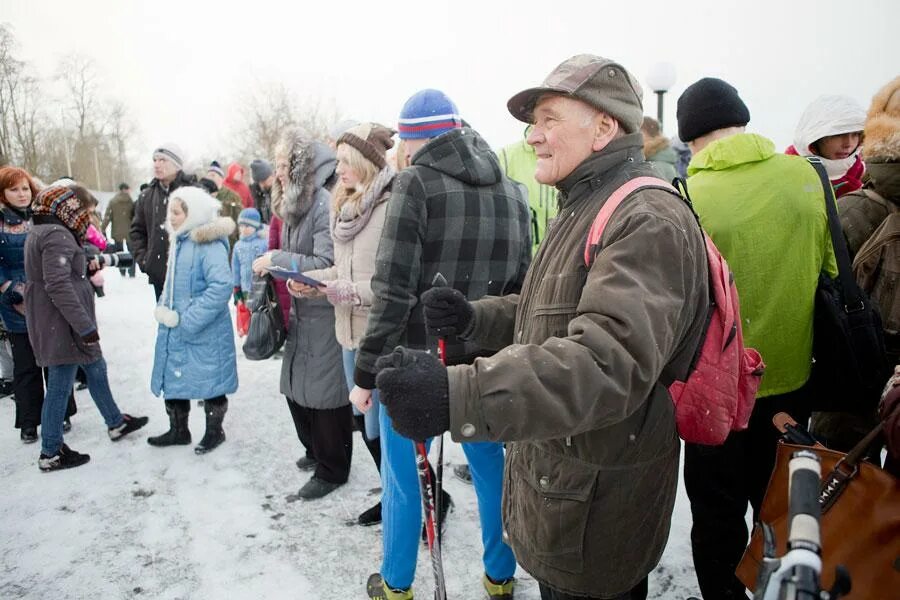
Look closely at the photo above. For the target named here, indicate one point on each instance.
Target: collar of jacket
(732, 151)
(53, 220)
(14, 216)
(885, 178)
(593, 169)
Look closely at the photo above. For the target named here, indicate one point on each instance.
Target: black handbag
(849, 361)
(266, 333)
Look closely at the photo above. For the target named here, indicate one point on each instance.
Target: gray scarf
(351, 221)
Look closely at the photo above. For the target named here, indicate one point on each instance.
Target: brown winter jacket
(59, 299)
(592, 469)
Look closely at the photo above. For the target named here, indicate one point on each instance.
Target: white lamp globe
(661, 76)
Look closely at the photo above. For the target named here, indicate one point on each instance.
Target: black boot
(215, 410)
(178, 433)
(370, 516)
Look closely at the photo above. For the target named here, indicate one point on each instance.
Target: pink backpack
(720, 390)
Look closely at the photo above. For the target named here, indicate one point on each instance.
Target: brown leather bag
(860, 525)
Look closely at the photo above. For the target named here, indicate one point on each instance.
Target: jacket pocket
(549, 504)
(556, 305)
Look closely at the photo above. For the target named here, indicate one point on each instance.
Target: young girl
(195, 355)
(831, 128)
(59, 307)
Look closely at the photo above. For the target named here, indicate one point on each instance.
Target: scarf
(354, 217)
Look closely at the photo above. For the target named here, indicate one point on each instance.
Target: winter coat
(766, 213)
(354, 260)
(284, 296)
(246, 250)
(119, 213)
(861, 213)
(312, 372)
(234, 183)
(518, 161)
(826, 116)
(149, 240)
(196, 358)
(59, 298)
(261, 200)
(451, 212)
(659, 152)
(231, 208)
(577, 391)
(14, 227)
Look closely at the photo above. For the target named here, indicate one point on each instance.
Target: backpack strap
(609, 207)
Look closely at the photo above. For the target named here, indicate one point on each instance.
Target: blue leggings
(401, 511)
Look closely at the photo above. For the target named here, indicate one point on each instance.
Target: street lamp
(661, 78)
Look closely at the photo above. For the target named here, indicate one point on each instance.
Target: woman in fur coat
(312, 375)
(195, 356)
(360, 206)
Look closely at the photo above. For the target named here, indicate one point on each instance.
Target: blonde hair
(367, 171)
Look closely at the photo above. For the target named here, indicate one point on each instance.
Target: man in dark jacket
(119, 214)
(261, 188)
(579, 387)
(149, 238)
(451, 212)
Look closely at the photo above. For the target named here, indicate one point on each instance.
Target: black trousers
(638, 592)
(721, 480)
(28, 383)
(374, 446)
(121, 246)
(157, 289)
(327, 436)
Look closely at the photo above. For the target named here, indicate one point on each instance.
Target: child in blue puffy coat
(195, 355)
(248, 248)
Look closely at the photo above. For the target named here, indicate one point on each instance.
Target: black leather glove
(12, 296)
(91, 338)
(447, 312)
(414, 390)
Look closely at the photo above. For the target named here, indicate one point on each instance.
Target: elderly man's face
(563, 136)
(164, 170)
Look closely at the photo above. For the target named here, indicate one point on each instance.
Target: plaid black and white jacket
(452, 212)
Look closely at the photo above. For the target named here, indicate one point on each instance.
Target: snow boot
(377, 589)
(215, 410)
(129, 425)
(65, 458)
(370, 516)
(28, 435)
(499, 590)
(178, 433)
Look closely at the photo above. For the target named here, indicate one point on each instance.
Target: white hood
(827, 115)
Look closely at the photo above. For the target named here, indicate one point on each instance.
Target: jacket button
(468, 430)
(545, 482)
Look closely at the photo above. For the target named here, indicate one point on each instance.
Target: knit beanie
(62, 202)
(882, 131)
(215, 167)
(171, 153)
(339, 128)
(371, 139)
(428, 114)
(260, 170)
(208, 184)
(708, 105)
(250, 217)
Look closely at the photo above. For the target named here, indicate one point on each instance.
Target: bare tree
(79, 76)
(270, 109)
(10, 72)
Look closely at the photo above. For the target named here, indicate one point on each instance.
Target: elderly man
(579, 390)
(149, 238)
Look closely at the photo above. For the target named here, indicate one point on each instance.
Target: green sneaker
(379, 590)
(500, 590)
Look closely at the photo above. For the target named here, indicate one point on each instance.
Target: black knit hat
(707, 105)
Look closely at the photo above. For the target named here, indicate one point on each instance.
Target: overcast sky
(180, 66)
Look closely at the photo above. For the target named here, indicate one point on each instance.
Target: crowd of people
(557, 357)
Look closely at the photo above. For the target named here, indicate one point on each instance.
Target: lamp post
(661, 78)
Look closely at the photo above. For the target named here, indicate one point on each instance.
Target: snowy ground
(141, 522)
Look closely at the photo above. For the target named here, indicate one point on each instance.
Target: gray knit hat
(170, 152)
(600, 82)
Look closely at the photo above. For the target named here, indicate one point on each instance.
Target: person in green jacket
(231, 202)
(119, 214)
(658, 149)
(765, 211)
(518, 161)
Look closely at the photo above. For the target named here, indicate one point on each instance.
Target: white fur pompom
(166, 316)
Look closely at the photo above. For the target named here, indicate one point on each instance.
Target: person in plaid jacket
(453, 212)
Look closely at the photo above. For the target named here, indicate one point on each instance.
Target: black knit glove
(414, 390)
(447, 312)
(91, 338)
(12, 296)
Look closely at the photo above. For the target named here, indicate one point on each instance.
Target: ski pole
(439, 281)
(434, 545)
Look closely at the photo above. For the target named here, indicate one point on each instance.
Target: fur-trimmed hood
(202, 222)
(310, 165)
(882, 131)
(655, 145)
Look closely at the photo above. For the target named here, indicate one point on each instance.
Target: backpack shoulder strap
(610, 206)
